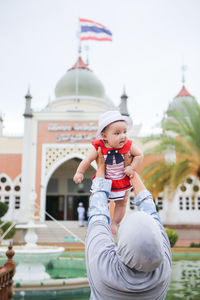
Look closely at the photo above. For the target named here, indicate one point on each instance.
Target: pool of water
(67, 268)
(185, 282)
(78, 294)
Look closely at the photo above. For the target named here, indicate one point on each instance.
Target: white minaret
(26, 160)
(123, 104)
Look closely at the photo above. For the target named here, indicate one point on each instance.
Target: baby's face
(115, 134)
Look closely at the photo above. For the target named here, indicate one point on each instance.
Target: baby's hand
(78, 177)
(129, 171)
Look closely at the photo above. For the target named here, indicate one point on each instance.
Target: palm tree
(181, 138)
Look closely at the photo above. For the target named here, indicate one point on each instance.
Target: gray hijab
(140, 242)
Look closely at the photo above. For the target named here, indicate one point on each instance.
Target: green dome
(88, 83)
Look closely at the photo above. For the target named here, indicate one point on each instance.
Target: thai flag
(91, 30)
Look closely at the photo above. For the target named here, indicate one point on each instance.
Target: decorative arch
(46, 178)
(53, 154)
(62, 161)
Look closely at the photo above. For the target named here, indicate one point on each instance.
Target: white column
(12, 206)
(27, 161)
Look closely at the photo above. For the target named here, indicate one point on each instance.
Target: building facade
(41, 167)
(38, 168)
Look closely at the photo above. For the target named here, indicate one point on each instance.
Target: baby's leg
(119, 212)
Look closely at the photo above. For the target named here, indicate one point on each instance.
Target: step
(53, 233)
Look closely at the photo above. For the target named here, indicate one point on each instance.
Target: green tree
(180, 137)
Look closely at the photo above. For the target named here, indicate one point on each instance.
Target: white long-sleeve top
(109, 277)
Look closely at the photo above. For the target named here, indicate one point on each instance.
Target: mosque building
(39, 167)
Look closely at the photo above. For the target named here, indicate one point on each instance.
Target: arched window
(17, 191)
(131, 201)
(189, 194)
(6, 188)
(159, 201)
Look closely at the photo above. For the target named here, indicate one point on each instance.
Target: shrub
(172, 236)
(3, 209)
(11, 233)
(195, 245)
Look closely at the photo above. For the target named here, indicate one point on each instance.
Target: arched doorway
(63, 195)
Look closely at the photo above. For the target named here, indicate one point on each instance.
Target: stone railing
(6, 274)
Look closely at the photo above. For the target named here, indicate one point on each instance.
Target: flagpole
(87, 53)
(77, 65)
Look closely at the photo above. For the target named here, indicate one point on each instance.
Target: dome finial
(124, 91)
(183, 68)
(28, 94)
(79, 49)
(183, 92)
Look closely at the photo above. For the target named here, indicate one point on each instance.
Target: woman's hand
(128, 170)
(100, 164)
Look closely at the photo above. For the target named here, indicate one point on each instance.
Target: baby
(113, 141)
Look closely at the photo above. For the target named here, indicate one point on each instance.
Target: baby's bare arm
(84, 165)
(137, 157)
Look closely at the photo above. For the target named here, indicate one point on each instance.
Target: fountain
(31, 258)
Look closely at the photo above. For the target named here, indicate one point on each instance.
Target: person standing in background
(81, 214)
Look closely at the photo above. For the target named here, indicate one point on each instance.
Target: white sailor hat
(109, 117)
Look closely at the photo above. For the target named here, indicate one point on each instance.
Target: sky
(152, 39)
